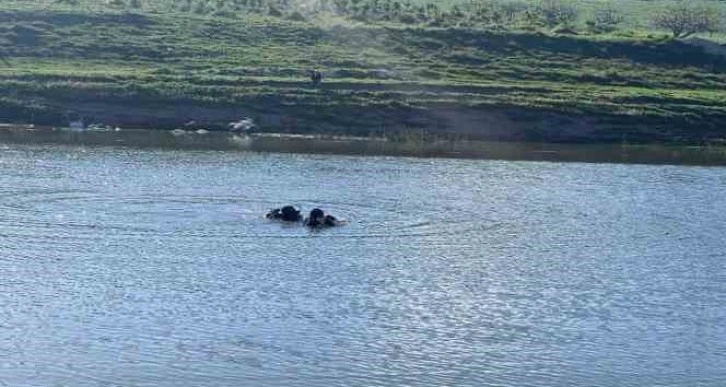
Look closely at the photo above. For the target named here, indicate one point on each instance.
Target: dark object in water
(317, 218)
(285, 214)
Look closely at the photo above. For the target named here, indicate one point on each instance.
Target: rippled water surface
(124, 267)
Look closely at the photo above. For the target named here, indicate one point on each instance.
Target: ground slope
(165, 69)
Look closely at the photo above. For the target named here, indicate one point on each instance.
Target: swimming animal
(285, 214)
(317, 218)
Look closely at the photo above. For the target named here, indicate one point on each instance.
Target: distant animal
(317, 218)
(316, 77)
(285, 214)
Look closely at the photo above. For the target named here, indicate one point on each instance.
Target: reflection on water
(203, 140)
(121, 266)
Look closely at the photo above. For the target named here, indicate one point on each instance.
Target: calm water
(123, 267)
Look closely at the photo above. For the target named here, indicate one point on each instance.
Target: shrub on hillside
(605, 19)
(513, 10)
(273, 11)
(683, 20)
(296, 16)
(553, 13)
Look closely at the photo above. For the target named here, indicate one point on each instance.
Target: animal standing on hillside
(316, 77)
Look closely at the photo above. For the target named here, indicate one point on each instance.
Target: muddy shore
(12, 135)
(447, 122)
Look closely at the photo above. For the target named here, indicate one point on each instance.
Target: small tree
(683, 20)
(512, 10)
(340, 6)
(555, 12)
(605, 19)
(274, 11)
(296, 16)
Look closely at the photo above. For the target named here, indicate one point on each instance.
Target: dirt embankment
(487, 123)
(490, 123)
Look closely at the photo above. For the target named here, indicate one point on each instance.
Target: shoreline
(706, 155)
(443, 121)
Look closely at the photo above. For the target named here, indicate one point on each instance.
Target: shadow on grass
(65, 19)
(663, 53)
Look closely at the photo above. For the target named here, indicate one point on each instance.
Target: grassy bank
(162, 67)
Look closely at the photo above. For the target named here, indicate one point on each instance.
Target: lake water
(129, 267)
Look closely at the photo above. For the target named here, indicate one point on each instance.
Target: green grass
(159, 67)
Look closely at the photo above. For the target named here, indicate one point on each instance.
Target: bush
(407, 19)
(274, 12)
(605, 19)
(683, 20)
(555, 13)
(512, 10)
(296, 16)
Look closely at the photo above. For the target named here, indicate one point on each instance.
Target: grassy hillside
(161, 64)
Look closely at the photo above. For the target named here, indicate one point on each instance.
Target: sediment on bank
(443, 121)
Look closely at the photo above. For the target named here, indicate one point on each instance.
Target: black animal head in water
(290, 214)
(316, 218)
(287, 214)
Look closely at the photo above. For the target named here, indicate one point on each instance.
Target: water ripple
(123, 267)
